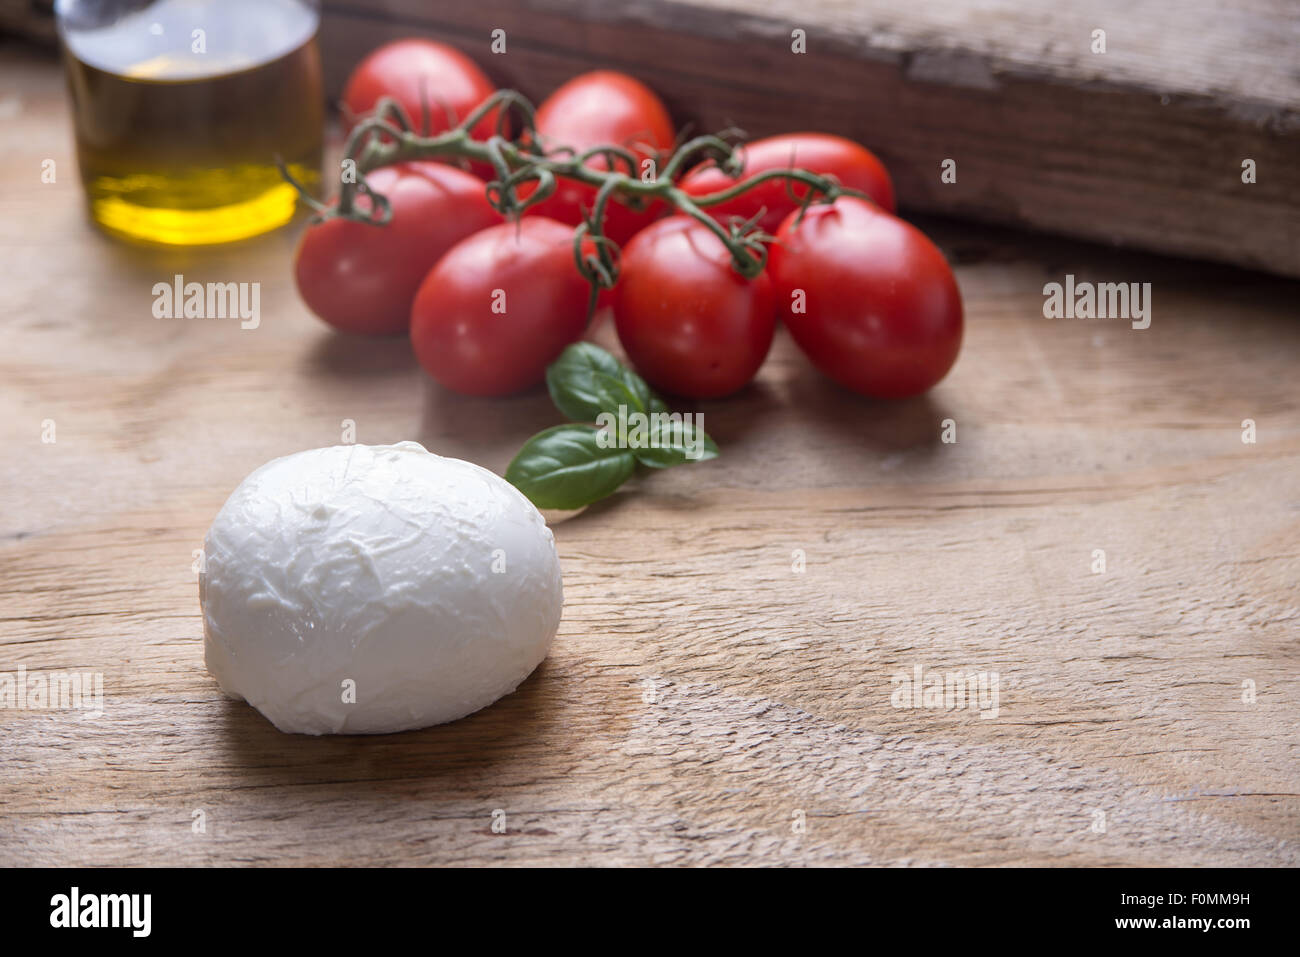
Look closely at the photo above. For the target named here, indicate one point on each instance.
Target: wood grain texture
(31, 19)
(769, 690)
(1141, 146)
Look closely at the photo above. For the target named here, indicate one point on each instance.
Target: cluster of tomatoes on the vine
(489, 304)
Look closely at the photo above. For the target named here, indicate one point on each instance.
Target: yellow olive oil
(181, 108)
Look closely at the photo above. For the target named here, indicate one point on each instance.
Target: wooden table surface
(704, 702)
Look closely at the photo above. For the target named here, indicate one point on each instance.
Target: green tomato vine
(387, 136)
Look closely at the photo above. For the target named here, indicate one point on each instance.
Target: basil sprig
(586, 381)
(569, 466)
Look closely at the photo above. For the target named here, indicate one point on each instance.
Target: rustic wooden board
(701, 694)
(1140, 146)
(31, 19)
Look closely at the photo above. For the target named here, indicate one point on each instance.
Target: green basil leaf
(566, 467)
(678, 444)
(586, 381)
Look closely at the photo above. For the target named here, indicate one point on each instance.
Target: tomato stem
(387, 136)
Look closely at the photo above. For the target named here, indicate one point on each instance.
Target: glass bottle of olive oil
(182, 106)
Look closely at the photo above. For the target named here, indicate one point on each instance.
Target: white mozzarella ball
(366, 589)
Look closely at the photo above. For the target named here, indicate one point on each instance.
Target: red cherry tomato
(597, 109)
(361, 278)
(416, 72)
(867, 297)
(499, 307)
(689, 322)
(854, 166)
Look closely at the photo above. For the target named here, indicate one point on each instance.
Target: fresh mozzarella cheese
(367, 589)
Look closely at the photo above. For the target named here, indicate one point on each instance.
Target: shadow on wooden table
(464, 749)
(794, 406)
(338, 355)
(871, 426)
(486, 431)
